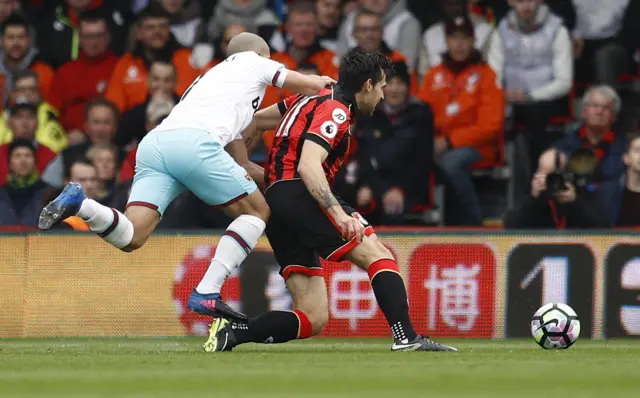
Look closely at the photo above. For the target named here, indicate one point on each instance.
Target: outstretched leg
(391, 295)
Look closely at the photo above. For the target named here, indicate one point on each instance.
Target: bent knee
(318, 318)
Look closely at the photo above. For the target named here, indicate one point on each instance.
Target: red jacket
(78, 82)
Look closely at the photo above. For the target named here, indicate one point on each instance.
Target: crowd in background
(83, 81)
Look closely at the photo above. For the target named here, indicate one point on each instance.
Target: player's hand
(350, 227)
(568, 195)
(393, 201)
(364, 197)
(328, 81)
(538, 184)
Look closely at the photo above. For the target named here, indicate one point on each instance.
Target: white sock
(237, 242)
(111, 225)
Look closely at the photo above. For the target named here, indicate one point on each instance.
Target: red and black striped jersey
(325, 119)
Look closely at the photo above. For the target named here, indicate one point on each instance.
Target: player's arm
(306, 84)
(269, 117)
(312, 173)
(238, 152)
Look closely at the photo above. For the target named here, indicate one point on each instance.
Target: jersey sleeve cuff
(282, 107)
(311, 136)
(279, 77)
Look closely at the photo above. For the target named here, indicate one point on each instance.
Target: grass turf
(315, 368)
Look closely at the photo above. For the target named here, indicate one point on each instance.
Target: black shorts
(300, 231)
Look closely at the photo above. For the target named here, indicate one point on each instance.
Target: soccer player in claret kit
(198, 147)
(308, 220)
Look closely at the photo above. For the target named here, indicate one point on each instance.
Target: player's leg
(308, 318)
(219, 181)
(152, 191)
(391, 294)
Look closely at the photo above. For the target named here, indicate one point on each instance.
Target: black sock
(270, 327)
(392, 299)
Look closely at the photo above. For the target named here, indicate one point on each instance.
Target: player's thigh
(368, 252)
(309, 295)
(291, 255)
(253, 204)
(153, 185)
(217, 179)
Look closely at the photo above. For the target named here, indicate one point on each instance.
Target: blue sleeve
(568, 144)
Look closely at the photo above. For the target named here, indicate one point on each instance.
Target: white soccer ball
(555, 325)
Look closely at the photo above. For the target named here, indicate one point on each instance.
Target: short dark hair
(79, 160)
(24, 74)
(301, 7)
(153, 10)
(15, 19)
(93, 16)
(101, 102)
(631, 139)
(357, 66)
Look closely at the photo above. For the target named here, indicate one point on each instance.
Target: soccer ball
(555, 325)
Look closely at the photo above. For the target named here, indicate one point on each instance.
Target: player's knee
(318, 319)
(369, 251)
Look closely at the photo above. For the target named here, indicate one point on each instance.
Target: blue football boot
(67, 204)
(211, 304)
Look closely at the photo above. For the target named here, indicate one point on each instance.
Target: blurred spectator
(329, 14)
(162, 87)
(21, 196)
(128, 85)
(49, 132)
(220, 53)
(625, 202)
(599, 52)
(402, 30)
(19, 54)
(601, 105)
(79, 81)
(568, 207)
(585, 205)
(537, 76)
(308, 69)
(186, 20)
(367, 30)
(101, 122)
(303, 47)
(58, 31)
(8, 7)
(434, 38)
(155, 113)
(468, 108)
(84, 173)
(23, 123)
(105, 158)
(251, 13)
(393, 155)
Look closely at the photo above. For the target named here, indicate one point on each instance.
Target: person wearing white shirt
(600, 56)
(532, 57)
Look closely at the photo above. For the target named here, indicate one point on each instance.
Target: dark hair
(79, 160)
(93, 16)
(101, 102)
(153, 10)
(631, 138)
(302, 7)
(24, 74)
(357, 66)
(15, 19)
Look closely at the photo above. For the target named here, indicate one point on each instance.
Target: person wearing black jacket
(394, 155)
(571, 208)
(58, 29)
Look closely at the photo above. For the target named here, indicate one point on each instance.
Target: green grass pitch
(90, 368)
